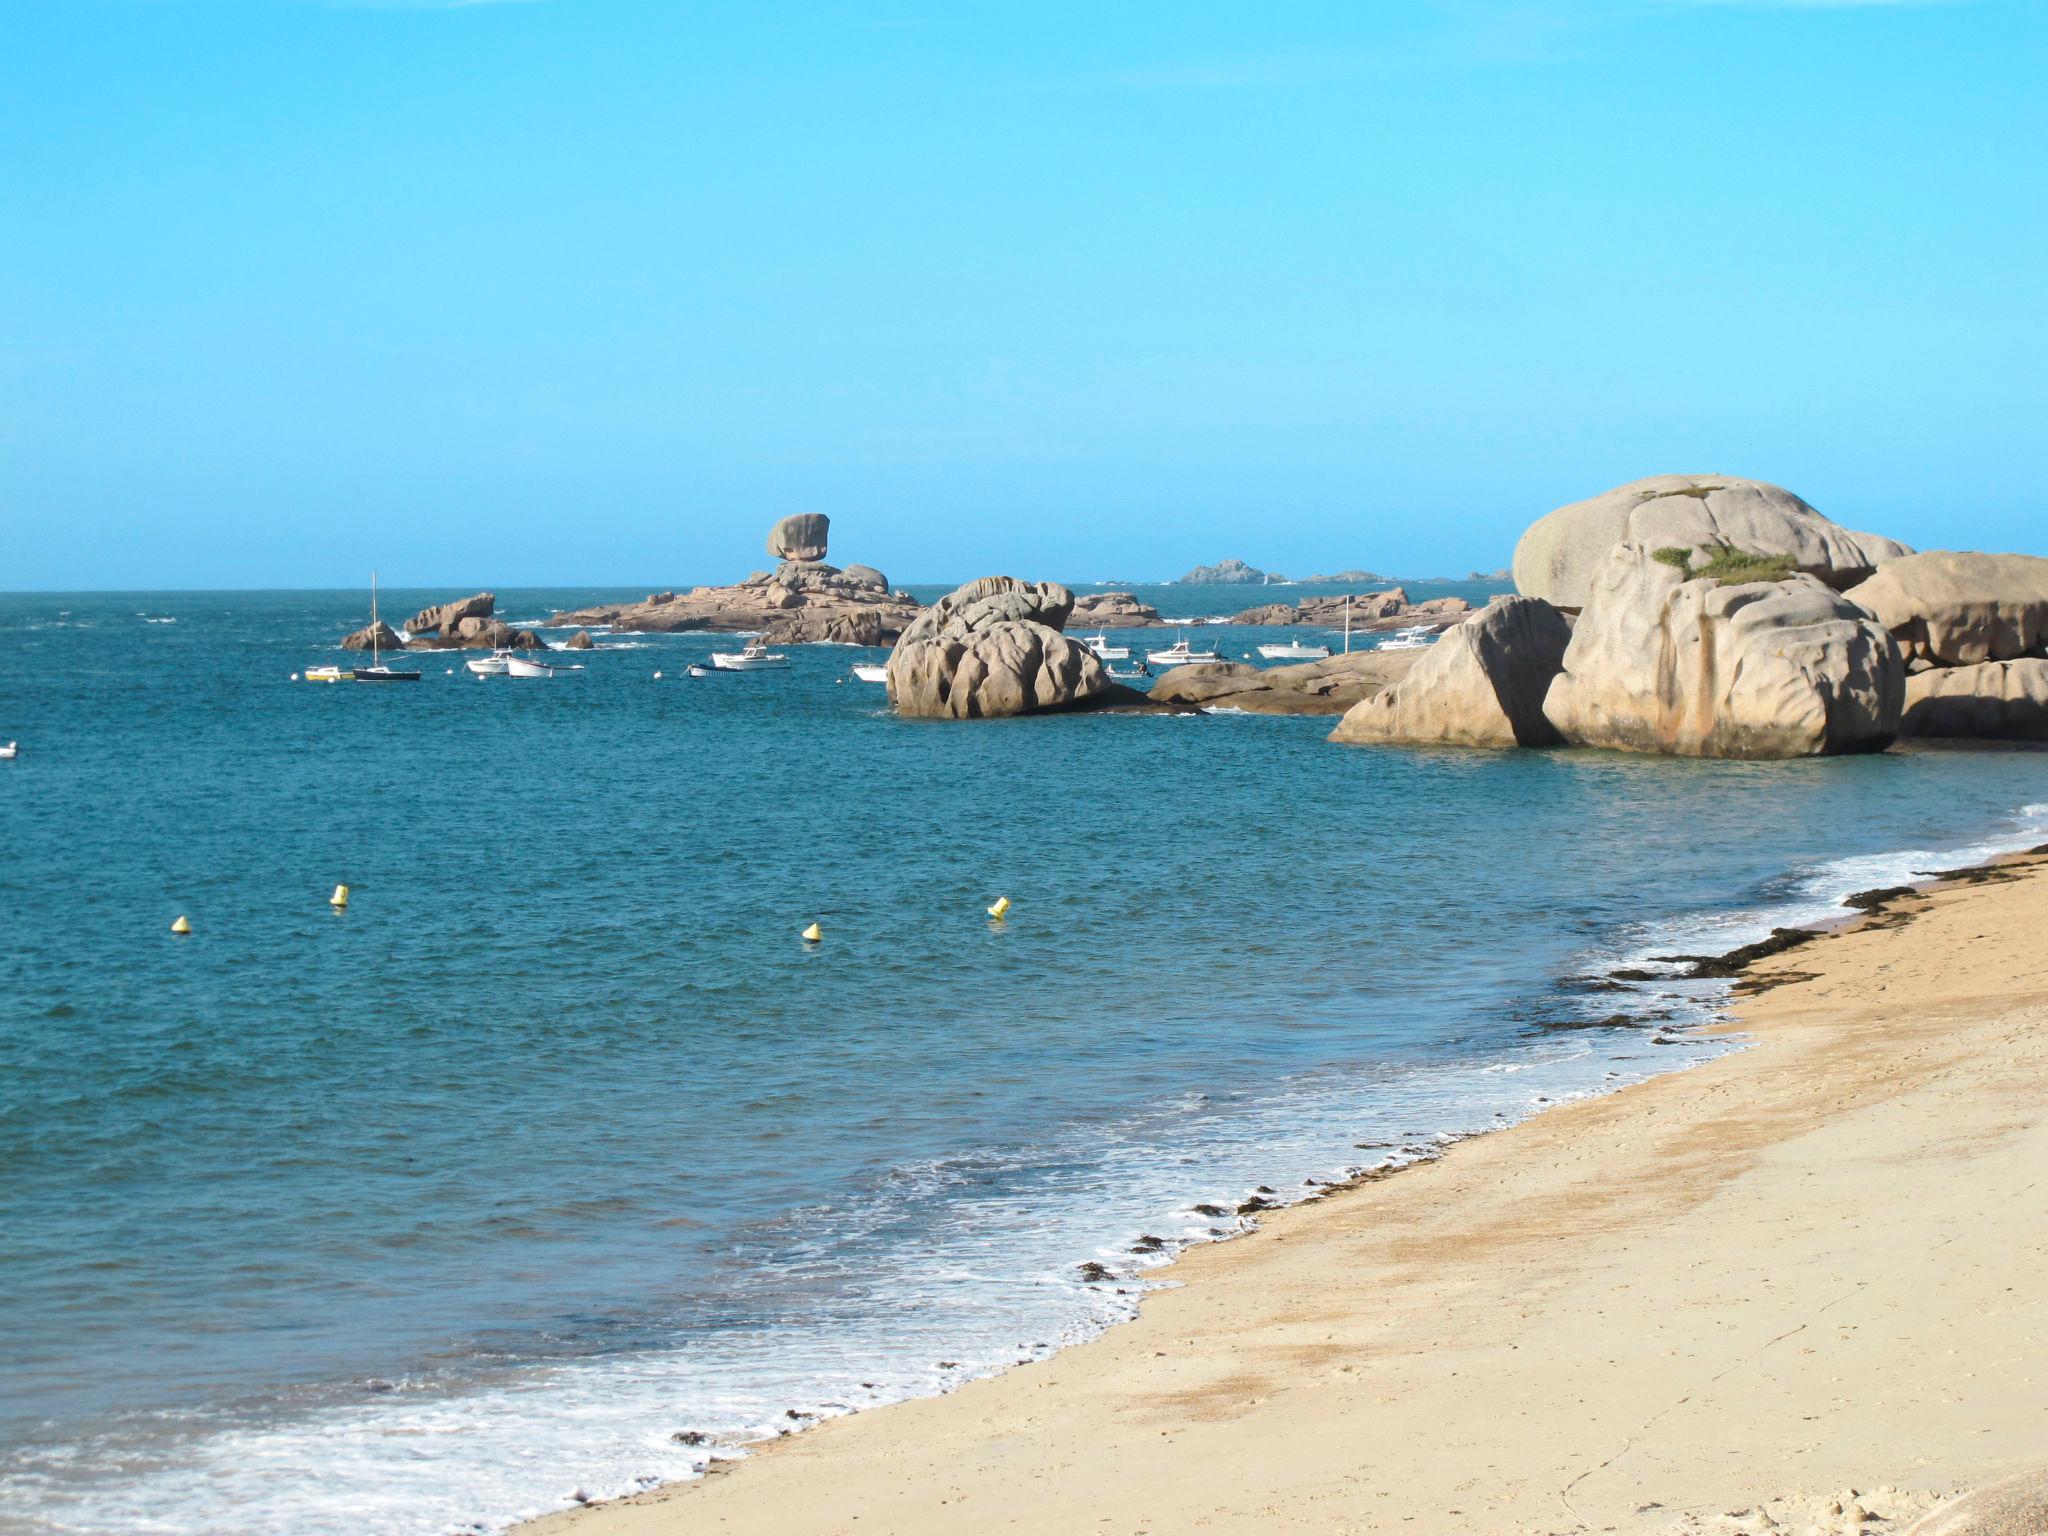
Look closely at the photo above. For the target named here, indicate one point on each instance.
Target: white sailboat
(1179, 654)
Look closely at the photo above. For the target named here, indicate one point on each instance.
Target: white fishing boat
(1294, 650)
(753, 659)
(1180, 654)
(870, 674)
(9, 752)
(497, 664)
(520, 666)
(1104, 651)
(1413, 638)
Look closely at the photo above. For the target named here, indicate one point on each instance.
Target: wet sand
(1807, 1275)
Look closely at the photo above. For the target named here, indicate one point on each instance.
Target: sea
(558, 1162)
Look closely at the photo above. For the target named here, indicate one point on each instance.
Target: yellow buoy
(1001, 909)
(813, 933)
(182, 925)
(339, 899)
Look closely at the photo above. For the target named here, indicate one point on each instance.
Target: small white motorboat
(868, 674)
(1413, 638)
(9, 752)
(1104, 651)
(1179, 654)
(1295, 650)
(497, 664)
(1142, 675)
(754, 658)
(520, 666)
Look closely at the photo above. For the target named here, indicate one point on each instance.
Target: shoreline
(882, 1463)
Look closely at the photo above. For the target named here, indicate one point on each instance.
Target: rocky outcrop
(1951, 608)
(1370, 611)
(1560, 554)
(993, 648)
(802, 601)
(2013, 1506)
(1228, 573)
(1481, 685)
(802, 537)
(1349, 578)
(580, 641)
(385, 639)
(1662, 663)
(1992, 701)
(475, 633)
(439, 620)
(1326, 687)
(1114, 610)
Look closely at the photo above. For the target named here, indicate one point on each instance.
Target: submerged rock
(1660, 663)
(1481, 685)
(1994, 701)
(990, 649)
(1958, 608)
(1560, 555)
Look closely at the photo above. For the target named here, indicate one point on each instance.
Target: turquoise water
(559, 1142)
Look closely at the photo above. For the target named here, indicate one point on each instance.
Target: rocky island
(802, 601)
(1229, 573)
(469, 623)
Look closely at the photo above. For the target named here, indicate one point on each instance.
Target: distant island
(1229, 573)
(1368, 577)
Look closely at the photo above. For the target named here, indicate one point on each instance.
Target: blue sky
(590, 291)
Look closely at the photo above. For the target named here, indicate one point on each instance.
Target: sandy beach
(1804, 1277)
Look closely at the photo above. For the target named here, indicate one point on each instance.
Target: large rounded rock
(866, 577)
(993, 648)
(1481, 685)
(1560, 553)
(1661, 663)
(444, 618)
(2016, 1506)
(373, 637)
(1955, 609)
(801, 537)
(1992, 701)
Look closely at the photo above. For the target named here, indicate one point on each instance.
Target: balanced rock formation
(1992, 701)
(802, 537)
(1560, 554)
(1950, 608)
(1325, 687)
(1662, 663)
(1481, 685)
(993, 648)
(802, 601)
(440, 620)
(1228, 573)
(1114, 610)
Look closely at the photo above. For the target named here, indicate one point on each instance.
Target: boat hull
(385, 675)
(1295, 652)
(726, 661)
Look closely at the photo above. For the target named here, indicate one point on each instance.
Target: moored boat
(494, 665)
(871, 674)
(1104, 651)
(376, 671)
(521, 666)
(755, 657)
(10, 751)
(329, 674)
(1181, 654)
(1295, 650)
